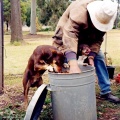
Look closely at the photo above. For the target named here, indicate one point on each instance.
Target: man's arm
(95, 48)
(76, 21)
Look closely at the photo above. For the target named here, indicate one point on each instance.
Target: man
(86, 22)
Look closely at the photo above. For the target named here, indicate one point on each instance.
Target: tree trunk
(7, 25)
(16, 24)
(33, 17)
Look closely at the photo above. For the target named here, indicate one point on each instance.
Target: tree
(27, 5)
(7, 12)
(33, 17)
(23, 10)
(28, 14)
(51, 10)
(45, 11)
(16, 24)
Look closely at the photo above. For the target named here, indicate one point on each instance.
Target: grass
(15, 61)
(16, 57)
(113, 46)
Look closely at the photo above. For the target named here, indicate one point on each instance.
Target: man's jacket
(74, 29)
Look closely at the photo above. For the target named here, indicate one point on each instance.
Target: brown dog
(43, 56)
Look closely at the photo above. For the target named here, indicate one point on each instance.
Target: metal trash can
(73, 95)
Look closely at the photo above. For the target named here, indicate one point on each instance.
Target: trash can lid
(36, 103)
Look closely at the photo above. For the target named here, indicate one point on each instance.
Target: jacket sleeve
(95, 47)
(76, 22)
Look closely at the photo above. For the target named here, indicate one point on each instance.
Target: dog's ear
(54, 52)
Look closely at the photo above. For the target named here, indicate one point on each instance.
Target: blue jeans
(102, 73)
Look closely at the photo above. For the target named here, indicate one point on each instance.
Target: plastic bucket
(73, 95)
(110, 70)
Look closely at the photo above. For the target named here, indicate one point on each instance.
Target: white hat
(102, 14)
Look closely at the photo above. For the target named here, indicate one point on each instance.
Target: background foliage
(51, 10)
(24, 8)
(48, 11)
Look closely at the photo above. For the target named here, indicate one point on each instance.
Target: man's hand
(74, 68)
(91, 62)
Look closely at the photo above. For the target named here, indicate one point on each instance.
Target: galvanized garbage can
(73, 95)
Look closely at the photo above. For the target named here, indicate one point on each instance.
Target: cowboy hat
(102, 14)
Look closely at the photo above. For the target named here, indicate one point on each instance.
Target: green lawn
(16, 57)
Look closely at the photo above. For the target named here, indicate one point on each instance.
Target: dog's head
(84, 50)
(56, 60)
(48, 56)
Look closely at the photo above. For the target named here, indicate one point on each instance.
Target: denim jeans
(102, 73)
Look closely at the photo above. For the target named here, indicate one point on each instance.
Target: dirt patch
(13, 99)
(107, 110)
(112, 114)
(12, 96)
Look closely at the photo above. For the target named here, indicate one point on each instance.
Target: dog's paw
(50, 68)
(65, 65)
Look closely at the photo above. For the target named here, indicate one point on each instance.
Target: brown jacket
(73, 29)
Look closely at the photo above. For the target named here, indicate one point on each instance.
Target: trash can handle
(49, 88)
(55, 89)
